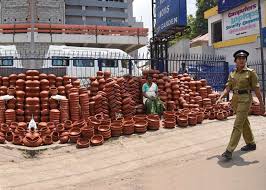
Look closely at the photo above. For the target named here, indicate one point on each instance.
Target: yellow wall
(211, 12)
(234, 42)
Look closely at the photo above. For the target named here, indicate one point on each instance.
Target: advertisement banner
(169, 14)
(241, 21)
(225, 5)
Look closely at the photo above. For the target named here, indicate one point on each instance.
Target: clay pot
(11, 91)
(153, 122)
(2, 138)
(44, 131)
(128, 127)
(97, 140)
(9, 136)
(83, 143)
(13, 126)
(53, 91)
(220, 116)
(64, 139)
(182, 120)
(17, 140)
(200, 117)
(168, 114)
(212, 115)
(105, 131)
(68, 124)
(87, 132)
(141, 126)
(47, 140)
(192, 120)
(170, 123)
(74, 134)
(55, 136)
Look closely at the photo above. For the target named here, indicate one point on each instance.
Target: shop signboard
(225, 5)
(170, 14)
(241, 21)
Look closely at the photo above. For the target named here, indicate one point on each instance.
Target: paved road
(185, 159)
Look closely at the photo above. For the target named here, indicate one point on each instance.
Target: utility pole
(32, 40)
(261, 50)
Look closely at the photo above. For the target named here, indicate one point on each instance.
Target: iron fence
(85, 64)
(257, 66)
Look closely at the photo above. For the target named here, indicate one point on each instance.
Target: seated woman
(153, 105)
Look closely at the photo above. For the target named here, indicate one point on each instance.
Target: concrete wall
(181, 47)
(203, 50)
(18, 11)
(111, 13)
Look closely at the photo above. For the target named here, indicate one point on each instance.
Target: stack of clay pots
(84, 103)
(64, 109)
(94, 86)
(101, 103)
(128, 106)
(134, 88)
(2, 111)
(113, 92)
(74, 106)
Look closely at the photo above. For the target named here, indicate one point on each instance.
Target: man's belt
(241, 91)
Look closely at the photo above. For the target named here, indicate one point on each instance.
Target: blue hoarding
(169, 14)
(225, 5)
(264, 36)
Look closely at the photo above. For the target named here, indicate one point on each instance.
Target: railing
(73, 29)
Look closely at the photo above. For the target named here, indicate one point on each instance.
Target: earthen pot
(47, 140)
(4, 128)
(97, 140)
(17, 140)
(220, 116)
(9, 136)
(55, 136)
(169, 123)
(83, 143)
(64, 139)
(68, 124)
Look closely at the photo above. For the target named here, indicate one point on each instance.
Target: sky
(142, 11)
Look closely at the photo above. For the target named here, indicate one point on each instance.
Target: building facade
(101, 12)
(235, 28)
(77, 12)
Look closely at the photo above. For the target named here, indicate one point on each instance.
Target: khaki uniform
(247, 79)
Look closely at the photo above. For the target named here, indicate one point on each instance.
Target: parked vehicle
(83, 62)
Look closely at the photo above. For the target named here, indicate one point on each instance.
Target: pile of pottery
(113, 91)
(118, 91)
(32, 93)
(181, 91)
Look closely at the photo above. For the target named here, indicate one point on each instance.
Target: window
(217, 32)
(60, 61)
(6, 61)
(125, 64)
(82, 62)
(108, 62)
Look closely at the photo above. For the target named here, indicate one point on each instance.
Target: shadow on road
(236, 161)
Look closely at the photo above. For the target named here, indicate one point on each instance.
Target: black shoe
(249, 147)
(227, 155)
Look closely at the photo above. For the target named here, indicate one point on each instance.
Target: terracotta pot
(13, 126)
(64, 139)
(153, 122)
(68, 124)
(47, 140)
(97, 140)
(141, 126)
(2, 139)
(169, 123)
(9, 136)
(44, 131)
(11, 91)
(192, 120)
(220, 116)
(83, 143)
(17, 140)
(55, 136)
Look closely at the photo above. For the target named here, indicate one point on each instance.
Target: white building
(237, 28)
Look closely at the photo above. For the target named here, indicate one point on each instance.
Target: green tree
(196, 25)
(201, 24)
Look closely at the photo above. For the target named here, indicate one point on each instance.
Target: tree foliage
(197, 25)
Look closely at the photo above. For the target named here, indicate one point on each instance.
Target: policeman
(242, 81)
